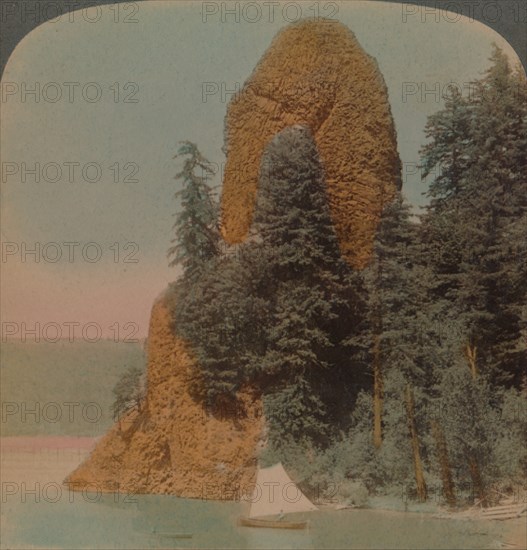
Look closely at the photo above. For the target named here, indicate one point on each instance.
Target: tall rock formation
(316, 74)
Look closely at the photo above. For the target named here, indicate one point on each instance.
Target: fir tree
(478, 202)
(401, 313)
(402, 323)
(317, 303)
(470, 422)
(196, 235)
(471, 241)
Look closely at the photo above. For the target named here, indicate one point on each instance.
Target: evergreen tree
(196, 235)
(478, 202)
(317, 303)
(402, 337)
(402, 315)
(470, 422)
(471, 235)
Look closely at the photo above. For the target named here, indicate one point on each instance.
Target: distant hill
(68, 384)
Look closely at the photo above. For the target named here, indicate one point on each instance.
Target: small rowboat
(274, 524)
(171, 535)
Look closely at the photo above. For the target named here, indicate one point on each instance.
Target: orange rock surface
(173, 445)
(315, 73)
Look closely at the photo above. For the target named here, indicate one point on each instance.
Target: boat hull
(273, 524)
(174, 535)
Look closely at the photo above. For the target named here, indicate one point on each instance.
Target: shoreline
(73, 450)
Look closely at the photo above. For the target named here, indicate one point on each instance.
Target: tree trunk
(471, 355)
(418, 466)
(378, 385)
(377, 393)
(478, 487)
(477, 481)
(444, 463)
(475, 471)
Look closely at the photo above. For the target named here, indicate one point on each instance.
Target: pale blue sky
(169, 54)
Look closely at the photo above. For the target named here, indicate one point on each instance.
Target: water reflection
(154, 521)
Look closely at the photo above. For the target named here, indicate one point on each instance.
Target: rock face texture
(316, 74)
(175, 446)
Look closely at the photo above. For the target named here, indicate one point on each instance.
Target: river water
(90, 520)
